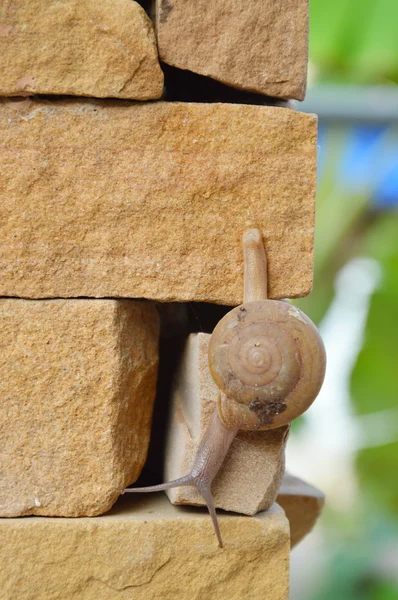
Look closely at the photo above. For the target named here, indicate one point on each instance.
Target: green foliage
(374, 379)
(377, 468)
(385, 590)
(355, 40)
(358, 566)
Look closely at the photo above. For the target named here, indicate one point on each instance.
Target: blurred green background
(347, 444)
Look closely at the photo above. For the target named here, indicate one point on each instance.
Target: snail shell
(269, 361)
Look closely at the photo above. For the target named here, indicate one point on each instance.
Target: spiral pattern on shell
(269, 361)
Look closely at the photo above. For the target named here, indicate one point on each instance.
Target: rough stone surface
(150, 200)
(145, 549)
(256, 45)
(302, 504)
(77, 384)
(79, 47)
(253, 469)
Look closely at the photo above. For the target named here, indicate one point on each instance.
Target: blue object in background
(368, 161)
(358, 135)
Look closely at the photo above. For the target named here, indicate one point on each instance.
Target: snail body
(268, 360)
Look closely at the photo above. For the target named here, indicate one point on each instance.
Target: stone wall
(135, 150)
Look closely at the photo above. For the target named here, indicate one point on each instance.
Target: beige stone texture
(145, 549)
(105, 49)
(77, 384)
(256, 45)
(251, 475)
(150, 200)
(302, 504)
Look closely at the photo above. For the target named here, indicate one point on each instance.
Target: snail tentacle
(208, 498)
(208, 460)
(181, 481)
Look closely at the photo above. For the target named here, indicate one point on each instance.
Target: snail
(268, 360)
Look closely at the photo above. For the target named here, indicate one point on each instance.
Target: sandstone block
(145, 549)
(302, 504)
(77, 384)
(110, 199)
(255, 45)
(79, 48)
(253, 469)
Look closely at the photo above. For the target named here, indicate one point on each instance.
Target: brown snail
(268, 360)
